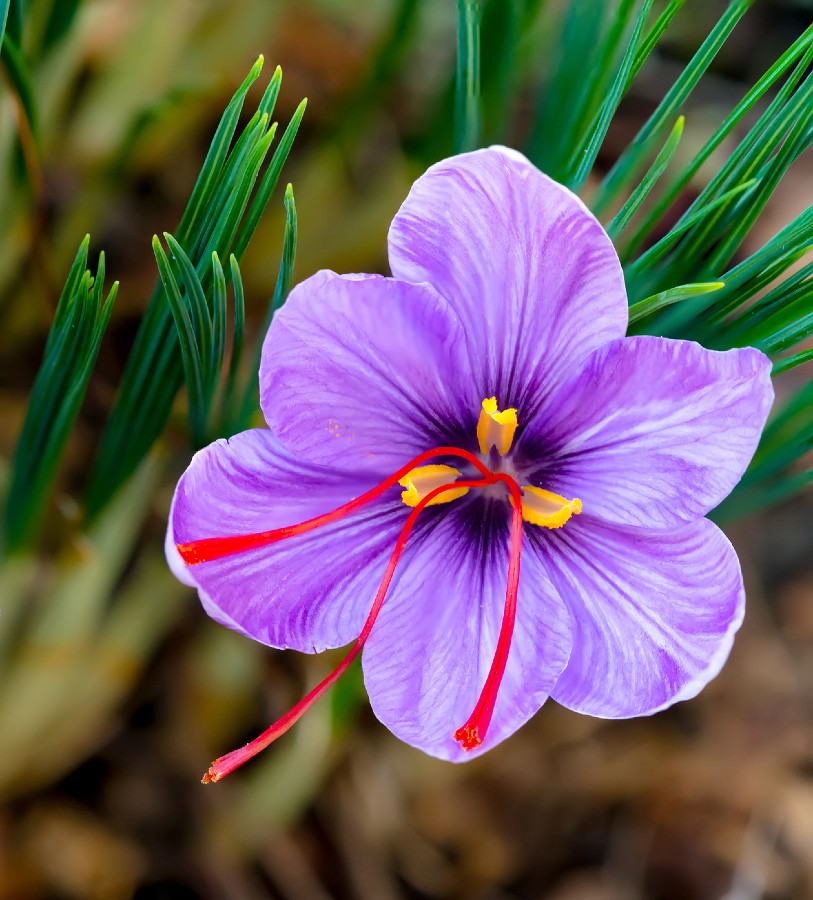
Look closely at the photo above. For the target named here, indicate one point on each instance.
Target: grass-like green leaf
(4, 5)
(657, 302)
(220, 218)
(193, 364)
(286, 266)
(562, 98)
(622, 218)
(20, 77)
(467, 83)
(799, 53)
(654, 35)
(206, 182)
(201, 318)
(587, 149)
(284, 278)
(790, 362)
(634, 157)
(269, 181)
(73, 344)
(238, 335)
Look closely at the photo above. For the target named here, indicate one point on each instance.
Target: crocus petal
(654, 612)
(431, 648)
(526, 266)
(653, 432)
(307, 592)
(359, 371)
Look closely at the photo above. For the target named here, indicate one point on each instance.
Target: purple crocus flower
(491, 380)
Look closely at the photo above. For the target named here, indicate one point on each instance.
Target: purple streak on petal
(308, 592)
(654, 612)
(653, 432)
(431, 648)
(364, 372)
(527, 267)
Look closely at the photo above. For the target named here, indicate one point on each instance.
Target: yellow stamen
(496, 427)
(419, 482)
(541, 507)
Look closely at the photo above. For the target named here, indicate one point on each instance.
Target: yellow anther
(541, 507)
(420, 481)
(496, 427)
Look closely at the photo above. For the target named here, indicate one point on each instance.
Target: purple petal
(653, 432)
(308, 592)
(431, 648)
(526, 266)
(360, 372)
(654, 612)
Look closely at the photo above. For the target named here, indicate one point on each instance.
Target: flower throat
(425, 483)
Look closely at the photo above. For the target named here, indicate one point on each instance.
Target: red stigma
(228, 763)
(468, 737)
(196, 552)
(471, 734)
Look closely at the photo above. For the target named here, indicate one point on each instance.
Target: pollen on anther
(541, 507)
(422, 480)
(496, 427)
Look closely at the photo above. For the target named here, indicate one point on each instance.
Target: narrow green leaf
(798, 139)
(633, 158)
(232, 419)
(730, 172)
(640, 194)
(790, 362)
(467, 84)
(587, 151)
(269, 181)
(14, 24)
(660, 301)
(501, 65)
(62, 16)
(20, 78)
(775, 309)
(562, 100)
(766, 264)
(653, 36)
(684, 224)
(211, 223)
(4, 5)
(751, 499)
(283, 285)
(286, 266)
(219, 314)
(75, 274)
(270, 95)
(196, 301)
(70, 354)
(190, 351)
(215, 157)
(223, 201)
(224, 235)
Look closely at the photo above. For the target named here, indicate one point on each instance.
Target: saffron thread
(228, 763)
(208, 549)
(471, 734)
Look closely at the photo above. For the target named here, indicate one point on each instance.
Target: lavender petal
(527, 267)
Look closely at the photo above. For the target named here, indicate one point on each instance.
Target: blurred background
(116, 691)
